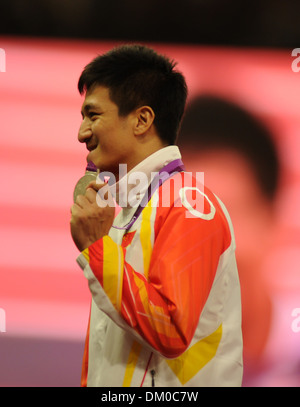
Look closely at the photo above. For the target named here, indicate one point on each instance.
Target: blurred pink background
(42, 290)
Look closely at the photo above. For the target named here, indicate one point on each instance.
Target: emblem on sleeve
(197, 203)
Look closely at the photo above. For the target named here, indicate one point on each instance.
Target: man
(165, 292)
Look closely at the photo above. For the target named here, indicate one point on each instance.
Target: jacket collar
(130, 189)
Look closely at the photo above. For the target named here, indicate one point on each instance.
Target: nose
(85, 131)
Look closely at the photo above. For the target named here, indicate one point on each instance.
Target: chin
(104, 167)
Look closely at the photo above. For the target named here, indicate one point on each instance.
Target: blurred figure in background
(240, 163)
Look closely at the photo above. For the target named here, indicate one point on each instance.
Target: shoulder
(190, 203)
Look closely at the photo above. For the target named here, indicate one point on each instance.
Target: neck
(144, 149)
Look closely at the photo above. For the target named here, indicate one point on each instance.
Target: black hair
(136, 76)
(212, 122)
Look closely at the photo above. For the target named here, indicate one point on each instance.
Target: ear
(144, 120)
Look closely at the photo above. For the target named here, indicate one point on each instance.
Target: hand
(92, 215)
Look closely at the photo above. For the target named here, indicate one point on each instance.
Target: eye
(93, 115)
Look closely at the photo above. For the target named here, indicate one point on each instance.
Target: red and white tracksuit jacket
(166, 307)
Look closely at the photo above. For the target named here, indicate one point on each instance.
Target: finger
(95, 185)
(81, 201)
(75, 210)
(91, 195)
(104, 197)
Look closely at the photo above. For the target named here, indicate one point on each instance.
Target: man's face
(108, 137)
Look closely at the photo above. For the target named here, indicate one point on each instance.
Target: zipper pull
(153, 374)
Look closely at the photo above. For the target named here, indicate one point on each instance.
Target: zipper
(153, 380)
(146, 371)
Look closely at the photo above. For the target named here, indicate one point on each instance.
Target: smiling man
(113, 139)
(163, 279)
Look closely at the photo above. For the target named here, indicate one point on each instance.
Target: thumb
(96, 185)
(104, 196)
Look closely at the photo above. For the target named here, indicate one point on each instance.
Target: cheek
(96, 127)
